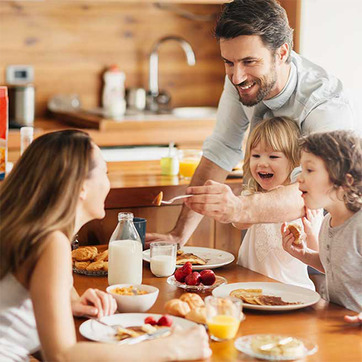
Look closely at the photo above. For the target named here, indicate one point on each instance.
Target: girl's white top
(18, 333)
(262, 251)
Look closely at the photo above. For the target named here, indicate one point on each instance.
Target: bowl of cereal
(132, 298)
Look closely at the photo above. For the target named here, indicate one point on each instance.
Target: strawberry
(193, 279)
(187, 268)
(207, 277)
(180, 275)
(150, 320)
(165, 321)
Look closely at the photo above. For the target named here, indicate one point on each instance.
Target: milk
(163, 265)
(125, 262)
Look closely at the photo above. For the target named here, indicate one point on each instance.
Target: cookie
(85, 253)
(102, 256)
(81, 265)
(96, 266)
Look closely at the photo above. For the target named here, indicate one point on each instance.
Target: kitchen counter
(187, 133)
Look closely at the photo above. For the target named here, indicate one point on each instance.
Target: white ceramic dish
(243, 344)
(197, 288)
(99, 333)
(134, 303)
(289, 293)
(215, 257)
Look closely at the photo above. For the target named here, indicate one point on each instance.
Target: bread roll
(197, 315)
(192, 299)
(177, 307)
(296, 230)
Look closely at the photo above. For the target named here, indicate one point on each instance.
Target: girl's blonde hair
(40, 196)
(279, 133)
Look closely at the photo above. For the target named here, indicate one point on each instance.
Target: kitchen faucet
(155, 99)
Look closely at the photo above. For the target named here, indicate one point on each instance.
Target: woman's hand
(94, 303)
(353, 318)
(188, 344)
(215, 200)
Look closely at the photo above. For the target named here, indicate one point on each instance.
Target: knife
(145, 337)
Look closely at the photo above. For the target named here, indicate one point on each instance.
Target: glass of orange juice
(188, 162)
(223, 317)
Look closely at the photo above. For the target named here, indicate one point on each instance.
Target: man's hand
(94, 303)
(215, 200)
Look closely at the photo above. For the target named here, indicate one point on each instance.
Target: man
(264, 78)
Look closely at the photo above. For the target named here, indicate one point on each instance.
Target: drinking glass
(188, 162)
(163, 259)
(223, 316)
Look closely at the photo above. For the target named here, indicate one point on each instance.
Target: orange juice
(223, 326)
(188, 166)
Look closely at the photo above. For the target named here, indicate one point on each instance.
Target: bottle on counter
(26, 137)
(113, 99)
(125, 252)
(170, 163)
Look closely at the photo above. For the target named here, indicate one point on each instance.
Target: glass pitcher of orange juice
(223, 317)
(188, 162)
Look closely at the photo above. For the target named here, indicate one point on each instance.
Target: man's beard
(266, 84)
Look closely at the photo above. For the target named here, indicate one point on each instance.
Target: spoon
(158, 199)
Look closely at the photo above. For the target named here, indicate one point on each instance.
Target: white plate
(215, 257)
(243, 344)
(97, 332)
(199, 288)
(289, 293)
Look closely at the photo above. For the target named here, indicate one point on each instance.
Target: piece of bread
(296, 230)
(197, 315)
(193, 300)
(85, 253)
(105, 265)
(177, 307)
(158, 199)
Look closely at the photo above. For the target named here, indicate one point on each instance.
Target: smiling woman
(58, 185)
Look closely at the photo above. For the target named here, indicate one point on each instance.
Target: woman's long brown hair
(40, 196)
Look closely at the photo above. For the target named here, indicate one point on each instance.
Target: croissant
(192, 299)
(197, 315)
(177, 307)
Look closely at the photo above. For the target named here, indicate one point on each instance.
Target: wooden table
(322, 323)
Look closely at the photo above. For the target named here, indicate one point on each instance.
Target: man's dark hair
(265, 18)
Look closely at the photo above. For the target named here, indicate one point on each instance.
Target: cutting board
(80, 119)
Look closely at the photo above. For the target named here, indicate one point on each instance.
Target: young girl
(332, 178)
(272, 153)
(59, 184)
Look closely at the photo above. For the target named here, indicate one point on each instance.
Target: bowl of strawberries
(190, 280)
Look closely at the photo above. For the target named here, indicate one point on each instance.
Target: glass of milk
(163, 259)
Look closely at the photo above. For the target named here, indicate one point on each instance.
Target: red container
(4, 104)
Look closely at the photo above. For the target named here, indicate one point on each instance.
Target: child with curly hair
(331, 178)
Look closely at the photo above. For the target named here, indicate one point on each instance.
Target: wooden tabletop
(321, 324)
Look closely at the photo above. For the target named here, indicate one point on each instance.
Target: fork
(174, 199)
(113, 326)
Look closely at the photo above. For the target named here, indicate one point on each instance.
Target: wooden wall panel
(70, 43)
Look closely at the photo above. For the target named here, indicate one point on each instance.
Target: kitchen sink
(194, 112)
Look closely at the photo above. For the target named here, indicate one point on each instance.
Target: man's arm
(188, 220)
(217, 201)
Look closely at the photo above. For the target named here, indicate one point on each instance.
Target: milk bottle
(125, 253)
